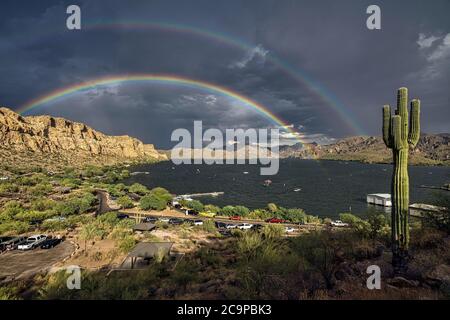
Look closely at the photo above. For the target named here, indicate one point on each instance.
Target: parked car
(150, 219)
(245, 226)
(238, 218)
(225, 232)
(220, 225)
(122, 216)
(190, 212)
(275, 220)
(339, 223)
(198, 222)
(176, 221)
(32, 242)
(289, 229)
(3, 241)
(164, 219)
(14, 243)
(207, 214)
(257, 226)
(50, 243)
(230, 226)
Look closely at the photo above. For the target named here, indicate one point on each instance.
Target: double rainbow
(159, 78)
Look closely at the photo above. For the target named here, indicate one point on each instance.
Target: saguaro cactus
(401, 133)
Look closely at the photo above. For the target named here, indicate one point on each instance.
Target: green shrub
(127, 243)
(294, 215)
(14, 227)
(7, 187)
(152, 202)
(125, 202)
(241, 211)
(227, 211)
(109, 218)
(208, 226)
(211, 208)
(195, 205)
(10, 210)
(43, 204)
(139, 189)
(161, 193)
(272, 231)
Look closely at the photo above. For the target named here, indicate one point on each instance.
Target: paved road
(180, 214)
(102, 202)
(22, 263)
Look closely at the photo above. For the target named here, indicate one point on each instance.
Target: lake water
(327, 187)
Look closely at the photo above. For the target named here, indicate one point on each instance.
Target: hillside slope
(431, 149)
(48, 141)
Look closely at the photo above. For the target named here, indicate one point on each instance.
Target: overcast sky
(312, 63)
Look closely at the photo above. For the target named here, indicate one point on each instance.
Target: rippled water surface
(327, 187)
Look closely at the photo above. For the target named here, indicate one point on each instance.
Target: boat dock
(205, 194)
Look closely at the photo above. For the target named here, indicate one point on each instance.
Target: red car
(275, 220)
(235, 218)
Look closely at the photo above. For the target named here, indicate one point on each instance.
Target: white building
(381, 199)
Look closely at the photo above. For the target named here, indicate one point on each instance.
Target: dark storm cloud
(326, 41)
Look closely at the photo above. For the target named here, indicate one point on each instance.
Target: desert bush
(152, 202)
(43, 204)
(259, 214)
(227, 211)
(272, 231)
(8, 187)
(41, 189)
(14, 227)
(211, 208)
(241, 211)
(125, 202)
(272, 207)
(109, 219)
(9, 292)
(10, 210)
(161, 193)
(127, 243)
(294, 215)
(208, 226)
(139, 189)
(195, 205)
(440, 220)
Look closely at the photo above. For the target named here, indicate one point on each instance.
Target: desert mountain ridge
(431, 149)
(46, 141)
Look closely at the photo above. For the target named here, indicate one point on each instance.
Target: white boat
(381, 199)
(297, 189)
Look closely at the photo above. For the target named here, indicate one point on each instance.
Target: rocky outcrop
(431, 149)
(72, 142)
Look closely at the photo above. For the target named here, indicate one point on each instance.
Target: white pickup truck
(339, 223)
(245, 226)
(32, 242)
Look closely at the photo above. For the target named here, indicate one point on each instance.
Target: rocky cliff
(48, 139)
(431, 149)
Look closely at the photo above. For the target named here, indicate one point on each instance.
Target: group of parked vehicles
(28, 243)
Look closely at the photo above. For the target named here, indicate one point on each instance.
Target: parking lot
(21, 263)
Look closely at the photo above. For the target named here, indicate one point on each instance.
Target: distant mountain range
(48, 142)
(432, 149)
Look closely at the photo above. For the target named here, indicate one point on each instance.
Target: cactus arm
(396, 123)
(387, 126)
(414, 124)
(402, 107)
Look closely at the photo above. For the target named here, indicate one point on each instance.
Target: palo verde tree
(401, 133)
